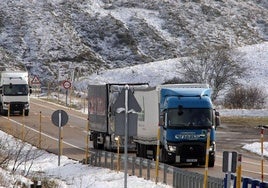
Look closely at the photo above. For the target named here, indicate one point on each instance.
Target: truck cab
(186, 118)
(14, 92)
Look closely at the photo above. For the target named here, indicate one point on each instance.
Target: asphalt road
(229, 137)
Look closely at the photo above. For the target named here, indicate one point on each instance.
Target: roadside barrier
(247, 182)
(170, 175)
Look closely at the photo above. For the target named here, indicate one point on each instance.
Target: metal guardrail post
(165, 174)
(148, 169)
(105, 159)
(140, 168)
(255, 183)
(99, 158)
(263, 185)
(133, 165)
(112, 161)
(245, 182)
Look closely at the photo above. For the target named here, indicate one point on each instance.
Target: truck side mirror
(30, 89)
(217, 119)
(162, 119)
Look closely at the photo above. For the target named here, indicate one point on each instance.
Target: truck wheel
(4, 112)
(138, 150)
(107, 144)
(26, 113)
(94, 139)
(165, 158)
(211, 161)
(141, 151)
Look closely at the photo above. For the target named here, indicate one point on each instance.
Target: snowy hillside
(60, 37)
(255, 57)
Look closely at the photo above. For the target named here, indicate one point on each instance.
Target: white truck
(14, 92)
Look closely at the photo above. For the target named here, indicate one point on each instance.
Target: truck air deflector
(187, 102)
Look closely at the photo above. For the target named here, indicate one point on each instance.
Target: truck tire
(141, 151)
(107, 144)
(26, 113)
(94, 140)
(96, 145)
(165, 158)
(211, 161)
(4, 112)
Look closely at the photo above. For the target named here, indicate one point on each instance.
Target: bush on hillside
(245, 97)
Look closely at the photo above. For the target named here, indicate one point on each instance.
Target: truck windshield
(14, 90)
(190, 117)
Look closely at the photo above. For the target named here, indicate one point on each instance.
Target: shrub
(245, 97)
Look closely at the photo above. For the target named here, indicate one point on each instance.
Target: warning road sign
(35, 80)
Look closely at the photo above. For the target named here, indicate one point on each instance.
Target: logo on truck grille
(189, 136)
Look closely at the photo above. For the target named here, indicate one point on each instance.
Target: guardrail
(247, 182)
(141, 167)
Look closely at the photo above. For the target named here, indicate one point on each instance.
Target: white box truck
(14, 92)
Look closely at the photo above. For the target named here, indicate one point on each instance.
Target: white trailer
(14, 92)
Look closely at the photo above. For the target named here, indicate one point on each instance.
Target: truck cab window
(15, 90)
(190, 117)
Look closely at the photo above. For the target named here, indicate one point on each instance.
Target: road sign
(132, 102)
(120, 115)
(229, 161)
(59, 118)
(66, 84)
(35, 80)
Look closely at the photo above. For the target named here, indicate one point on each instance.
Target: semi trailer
(184, 114)
(102, 115)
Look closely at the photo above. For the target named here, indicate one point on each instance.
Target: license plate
(178, 159)
(191, 160)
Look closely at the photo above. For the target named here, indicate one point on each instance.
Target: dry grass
(247, 121)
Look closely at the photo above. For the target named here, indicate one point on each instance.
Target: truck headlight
(6, 104)
(172, 149)
(26, 106)
(212, 147)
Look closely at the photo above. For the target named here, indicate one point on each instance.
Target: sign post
(229, 165)
(59, 119)
(262, 127)
(124, 102)
(36, 82)
(67, 84)
(126, 134)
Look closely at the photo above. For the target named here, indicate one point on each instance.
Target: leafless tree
(216, 67)
(18, 154)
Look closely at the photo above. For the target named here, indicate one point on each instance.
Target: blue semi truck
(185, 114)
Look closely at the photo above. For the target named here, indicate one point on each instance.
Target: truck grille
(17, 106)
(192, 150)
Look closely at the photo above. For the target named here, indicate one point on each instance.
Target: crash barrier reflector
(176, 177)
(247, 182)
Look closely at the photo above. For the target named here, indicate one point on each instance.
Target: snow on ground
(70, 173)
(255, 58)
(73, 174)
